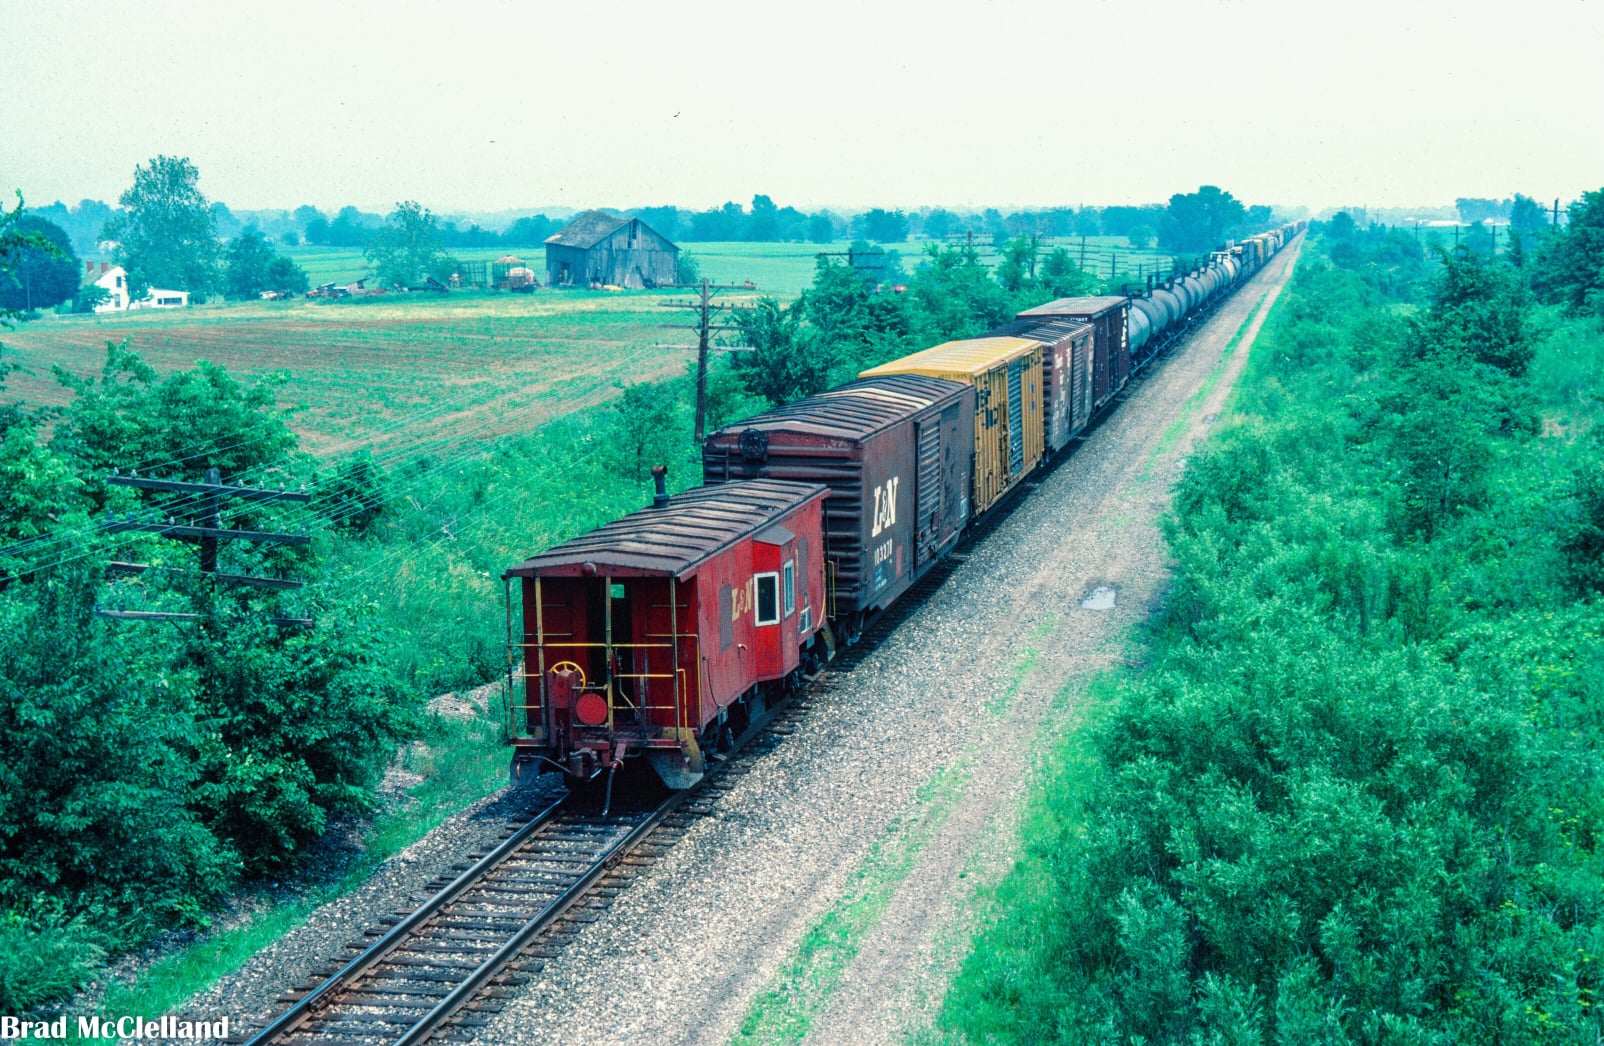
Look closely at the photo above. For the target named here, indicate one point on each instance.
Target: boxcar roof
(673, 538)
(1046, 331)
(856, 410)
(974, 356)
(1076, 307)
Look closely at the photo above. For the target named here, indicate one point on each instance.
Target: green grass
(787, 1007)
(461, 762)
(394, 367)
(779, 269)
(1183, 419)
(1012, 911)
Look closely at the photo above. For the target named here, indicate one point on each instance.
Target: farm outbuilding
(598, 248)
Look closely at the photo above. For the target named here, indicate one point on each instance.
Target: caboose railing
(521, 716)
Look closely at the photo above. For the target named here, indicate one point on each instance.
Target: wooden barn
(598, 248)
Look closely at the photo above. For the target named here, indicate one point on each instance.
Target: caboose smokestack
(660, 475)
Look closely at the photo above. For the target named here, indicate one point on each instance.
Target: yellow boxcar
(1007, 376)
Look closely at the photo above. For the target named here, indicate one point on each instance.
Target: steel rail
(319, 997)
(430, 1022)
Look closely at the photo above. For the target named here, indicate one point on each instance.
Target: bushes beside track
(152, 766)
(1355, 793)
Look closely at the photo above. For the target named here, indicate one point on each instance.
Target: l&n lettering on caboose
(742, 599)
(885, 505)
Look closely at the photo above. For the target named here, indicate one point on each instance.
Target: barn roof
(588, 229)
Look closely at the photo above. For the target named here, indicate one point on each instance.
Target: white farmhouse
(115, 283)
(114, 280)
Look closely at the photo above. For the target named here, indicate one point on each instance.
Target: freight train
(661, 635)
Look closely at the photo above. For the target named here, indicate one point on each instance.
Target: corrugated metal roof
(1070, 307)
(974, 356)
(855, 410)
(675, 537)
(1046, 331)
(588, 229)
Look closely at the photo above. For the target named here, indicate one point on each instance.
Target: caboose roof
(673, 539)
(853, 411)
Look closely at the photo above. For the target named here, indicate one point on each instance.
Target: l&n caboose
(653, 635)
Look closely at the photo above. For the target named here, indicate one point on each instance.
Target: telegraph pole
(707, 312)
(206, 531)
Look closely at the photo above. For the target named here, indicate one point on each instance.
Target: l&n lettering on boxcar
(885, 505)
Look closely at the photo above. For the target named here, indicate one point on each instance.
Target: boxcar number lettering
(883, 553)
(885, 505)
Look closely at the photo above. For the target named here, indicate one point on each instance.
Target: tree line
(166, 233)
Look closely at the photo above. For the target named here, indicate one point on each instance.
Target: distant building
(161, 298)
(602, 249)
(114, 280)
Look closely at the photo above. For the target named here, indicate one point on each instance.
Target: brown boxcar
(1066, 369)
(1111, 367)
(895, 453)
(1006, 374)
(640, 634)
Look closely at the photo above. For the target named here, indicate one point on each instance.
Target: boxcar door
(927, 493)
(1083, 390)
(1101, 351)
(1016, 418)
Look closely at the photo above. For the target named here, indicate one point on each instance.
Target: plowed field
(359, 369)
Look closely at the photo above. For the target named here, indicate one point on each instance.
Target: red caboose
(653, 634)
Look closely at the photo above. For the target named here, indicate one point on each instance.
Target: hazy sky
(482, 106)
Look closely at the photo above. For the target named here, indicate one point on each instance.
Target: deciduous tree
(1570, 267)
(407, 247)
(787, 361)
(43, 273)
(881, 226)
(1201, 220)
(166, 233)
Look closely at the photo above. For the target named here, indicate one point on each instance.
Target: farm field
(464, 365)
(359, 370)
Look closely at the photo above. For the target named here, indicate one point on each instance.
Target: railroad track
(417, 978)
(441, 971)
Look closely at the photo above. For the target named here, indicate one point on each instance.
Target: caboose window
(768, 599)
(790, 588)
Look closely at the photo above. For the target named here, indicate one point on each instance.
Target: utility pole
(1555, 222)
(206, 531)
(707, 312)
